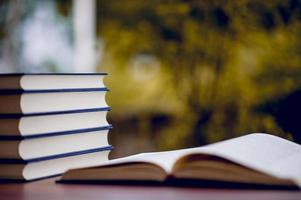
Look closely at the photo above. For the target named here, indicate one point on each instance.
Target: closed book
(45, 102)
(51, 81)
(48, 125)
(44, 148)
(28, 171)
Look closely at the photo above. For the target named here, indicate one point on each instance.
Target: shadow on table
(187, 183)
(13, 181)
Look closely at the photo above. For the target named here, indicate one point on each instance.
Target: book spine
(21, 91)
(77, 131)
(20, 114)
(10, 104)
(20, 161)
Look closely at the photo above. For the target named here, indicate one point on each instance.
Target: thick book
(38, 103)
(50, 125)
(51, 81)
(18, 171)
(45, 148)
(259, 159)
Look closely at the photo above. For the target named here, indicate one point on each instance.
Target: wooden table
(48, 189)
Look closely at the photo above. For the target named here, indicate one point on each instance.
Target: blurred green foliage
(197, 70)
(187, 72)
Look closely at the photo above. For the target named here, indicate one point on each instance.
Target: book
(45, 102)
(29, 171)
(49, 125)
(45, 148)
(51, 81)
(259, 159)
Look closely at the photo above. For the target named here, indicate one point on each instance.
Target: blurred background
(183, 73)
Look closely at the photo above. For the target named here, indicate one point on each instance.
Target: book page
(263, 152)
(164, 159)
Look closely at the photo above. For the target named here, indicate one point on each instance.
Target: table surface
(48, 189)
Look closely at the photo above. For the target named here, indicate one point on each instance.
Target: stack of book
(50, 123)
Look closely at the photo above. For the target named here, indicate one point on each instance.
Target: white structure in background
(84, 26)
(46, 44)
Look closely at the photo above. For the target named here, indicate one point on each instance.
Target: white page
(263, 152)
(164, 159)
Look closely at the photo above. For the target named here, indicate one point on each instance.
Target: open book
(252, 159)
